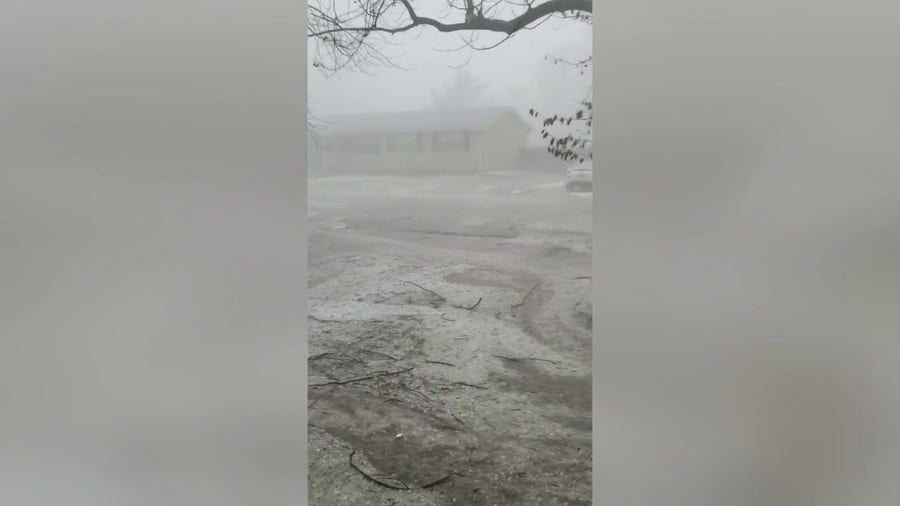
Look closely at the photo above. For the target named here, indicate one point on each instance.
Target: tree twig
(372, 352)
(311, 404)
(439, 362)
(439, 296)
(519, 359)
(351, 357)
(323, 320)
(404, 486)
(440, 480)
(470, 308)
(373, 479)
(526, 296)
(463, 383)
(364, 378)
(458, 420)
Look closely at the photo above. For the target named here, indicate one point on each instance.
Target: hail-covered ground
(449, 340)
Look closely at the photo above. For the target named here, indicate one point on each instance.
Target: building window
(450, 141)
(360, 144)
(405, 142)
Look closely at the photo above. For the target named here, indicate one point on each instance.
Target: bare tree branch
(347, 39)
(353, 35)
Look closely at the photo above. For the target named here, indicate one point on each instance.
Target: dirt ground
(450, 339)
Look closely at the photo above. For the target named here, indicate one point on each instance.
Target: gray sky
(516, 73)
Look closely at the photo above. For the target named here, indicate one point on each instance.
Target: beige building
(471, 140)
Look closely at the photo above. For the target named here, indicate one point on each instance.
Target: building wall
(497, 148)
(428, 160)
(502, 145)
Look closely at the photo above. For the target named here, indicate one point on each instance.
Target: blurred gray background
(746, 248)
(152, 269)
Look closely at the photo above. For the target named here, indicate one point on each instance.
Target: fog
(443, 237)
(514, 73)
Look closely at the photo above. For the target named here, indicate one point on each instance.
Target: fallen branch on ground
(470, 308)
(439, 296)
(404, 485)
(415, 390)
(439, 362)
(440, 480)
(463, 383)
(351, 357)
(373, 352)
(373, 479)
(363, 337)
(322, 320)
(584, 277)
(311, 404)
(519, 359)
(330, 355)
(526, 296)
(364, 378)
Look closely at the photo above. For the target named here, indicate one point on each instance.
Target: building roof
(418, 121)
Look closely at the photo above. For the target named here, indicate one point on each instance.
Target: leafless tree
(354, 35)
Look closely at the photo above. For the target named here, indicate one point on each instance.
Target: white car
(580, 178)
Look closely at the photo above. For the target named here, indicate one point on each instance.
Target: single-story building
(470, 140)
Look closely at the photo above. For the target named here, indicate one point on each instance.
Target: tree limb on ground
(439, 362)
(365, 350)
(317, 399)
(373, 479)
(526, 296)
(463, 383)
(322, 320)
(351, 357)
(469, 308)
(439, 296)
(519, 359)
(364, 378)
(404, 485)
